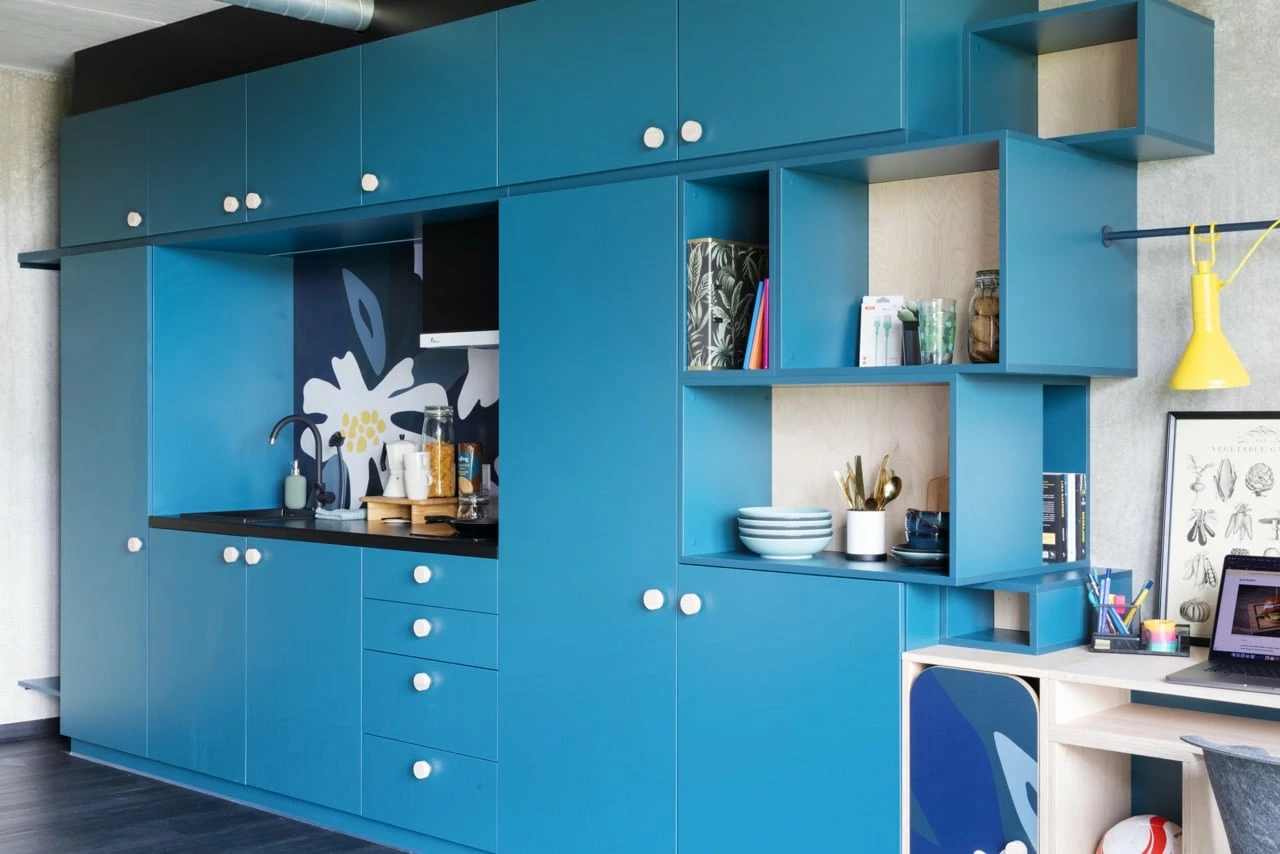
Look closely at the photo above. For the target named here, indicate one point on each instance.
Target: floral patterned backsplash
(358, 368)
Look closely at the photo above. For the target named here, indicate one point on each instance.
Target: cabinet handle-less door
(690, 604)
(231, 204)
(252, 201)
(422, 769)
(421, 681)
(133, 219)
(421, 574)
(230, 554)
(133, 544)
(421, 628)
(369, 182)
(654, 138)
(252, 557)
(691, 131)
(653, 599)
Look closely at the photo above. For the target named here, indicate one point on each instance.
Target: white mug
(417, 475)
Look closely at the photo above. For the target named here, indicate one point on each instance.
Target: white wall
(30, 107)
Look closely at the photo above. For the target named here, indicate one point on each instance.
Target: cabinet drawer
(460, 637)
(454, 707)
(457, 801)
(467, 583)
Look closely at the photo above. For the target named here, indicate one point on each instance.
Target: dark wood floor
(53, 803)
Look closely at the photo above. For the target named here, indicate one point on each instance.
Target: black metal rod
(1109, 236)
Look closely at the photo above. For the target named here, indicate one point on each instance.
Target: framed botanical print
(1220, 498)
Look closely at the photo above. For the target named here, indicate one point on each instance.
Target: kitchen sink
(269, 514)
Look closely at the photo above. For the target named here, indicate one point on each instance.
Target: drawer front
(459, 637)
(457, 801)
(448, 706)
(467, 583)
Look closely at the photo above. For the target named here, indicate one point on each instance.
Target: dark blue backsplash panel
(358, 368)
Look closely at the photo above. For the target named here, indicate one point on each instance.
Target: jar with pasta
(438, 444)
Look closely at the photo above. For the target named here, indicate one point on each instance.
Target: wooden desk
(1089, 728)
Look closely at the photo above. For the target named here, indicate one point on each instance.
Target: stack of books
(1065, 538)
(758, 337)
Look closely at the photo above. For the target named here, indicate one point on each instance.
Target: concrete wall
(30, 107)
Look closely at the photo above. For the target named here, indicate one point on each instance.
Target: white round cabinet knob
(133, 219)
(421, 628)
(654, 138)
(653, 599)
(422, 574)
(690, 604)
(252, 201)
(230, 554)
(691, 131)
(421, 681)
(252, 557)
(369, 182)
(231, 204)
(422, 769)
(133, 544)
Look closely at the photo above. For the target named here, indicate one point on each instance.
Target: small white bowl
(784, 524)
(798, 549)
(787, 514)
(761, 534)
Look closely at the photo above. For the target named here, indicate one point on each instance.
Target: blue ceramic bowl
(929, 529)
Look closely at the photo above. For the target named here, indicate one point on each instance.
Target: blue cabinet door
(104, 175)
(429, 103)
(196, 655)
(304, 136)
(789, 713)
(756, 75)
(579, 83)
(586, 693)
(303, 683)
(196, 156)
(105, 497)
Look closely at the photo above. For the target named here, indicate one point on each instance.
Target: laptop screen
(1247, 624)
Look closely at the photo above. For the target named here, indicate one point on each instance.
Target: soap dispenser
(295, 489)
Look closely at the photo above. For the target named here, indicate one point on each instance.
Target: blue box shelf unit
(1172, 109)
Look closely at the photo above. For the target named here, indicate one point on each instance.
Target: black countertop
(362, 533)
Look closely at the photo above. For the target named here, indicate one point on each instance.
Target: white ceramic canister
(864, 535)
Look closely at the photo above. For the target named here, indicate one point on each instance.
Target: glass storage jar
(984, 317)
(438, 444)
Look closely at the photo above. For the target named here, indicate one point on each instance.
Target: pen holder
(1135, 637)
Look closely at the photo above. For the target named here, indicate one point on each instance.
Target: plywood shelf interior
(1143, 730)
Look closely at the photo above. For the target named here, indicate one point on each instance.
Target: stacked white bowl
(784, 533)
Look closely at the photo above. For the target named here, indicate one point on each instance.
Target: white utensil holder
(864, 535)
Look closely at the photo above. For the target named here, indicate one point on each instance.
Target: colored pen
(1133, 609)
(1102, 597)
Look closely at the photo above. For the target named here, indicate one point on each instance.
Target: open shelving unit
(916, 220)
(1148, 65)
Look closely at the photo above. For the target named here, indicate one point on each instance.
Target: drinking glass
(937, 331)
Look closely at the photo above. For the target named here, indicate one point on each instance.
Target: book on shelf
(764, 323)
(754, 341)
(1064, 533)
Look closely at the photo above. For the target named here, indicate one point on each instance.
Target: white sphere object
(1142, 834)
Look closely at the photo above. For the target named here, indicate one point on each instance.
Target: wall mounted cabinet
(104, 175)
(429, 111)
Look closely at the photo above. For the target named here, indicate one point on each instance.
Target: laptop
(1244, 649)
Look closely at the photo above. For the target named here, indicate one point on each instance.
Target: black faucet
(319, 497)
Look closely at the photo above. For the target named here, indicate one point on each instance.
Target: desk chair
(1246, 785)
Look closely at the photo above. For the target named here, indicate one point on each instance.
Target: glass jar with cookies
(984, 318)
(438, 444)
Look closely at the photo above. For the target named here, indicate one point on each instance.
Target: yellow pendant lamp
(1209, 362)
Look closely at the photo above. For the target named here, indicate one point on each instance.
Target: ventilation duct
(348, 14)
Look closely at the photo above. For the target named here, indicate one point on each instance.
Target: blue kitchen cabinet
(105, 495)
(586, 698)
(579, 84)
(196, 157)
(304, 136)
(303, 682)
(196, 652)
(447, 142)
(104, 175)
(789, 712)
